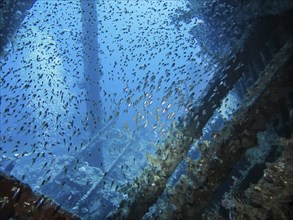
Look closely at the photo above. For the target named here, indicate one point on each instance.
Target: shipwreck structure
(245, 169)
(228, 168)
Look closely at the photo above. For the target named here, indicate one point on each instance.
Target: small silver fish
(39, 202)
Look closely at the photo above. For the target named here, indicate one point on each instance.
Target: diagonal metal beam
(147, 188)
(193, 191)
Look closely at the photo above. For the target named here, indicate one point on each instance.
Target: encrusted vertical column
(91, 63)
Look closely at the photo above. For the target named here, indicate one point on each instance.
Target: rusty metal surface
(18, 201)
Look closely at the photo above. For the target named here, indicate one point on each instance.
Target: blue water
(150, 73)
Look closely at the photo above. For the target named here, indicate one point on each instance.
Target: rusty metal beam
(18, 201)
(193, 191)
(146, 189)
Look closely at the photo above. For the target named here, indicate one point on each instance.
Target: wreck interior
(212, 163)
